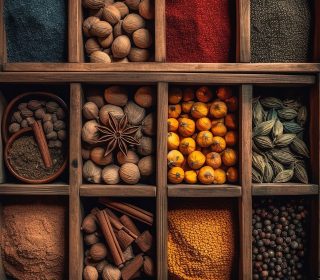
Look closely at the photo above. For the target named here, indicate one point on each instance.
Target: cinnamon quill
(132, 267)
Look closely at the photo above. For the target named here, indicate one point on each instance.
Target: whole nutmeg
(145, 96)
(60, 114)
(129, 173)
(131, 157)
(16, 117)
(134, 112)
(39, 114)
(95, 95)
(146, 166)
(48, 127)
(62, 135)
(13, 128)
(89, 224)
(91, 239)
(107, 41)
(89, 132)
(96, 13)
(110, 272)
(116, 111)
(58, 125)
(25, 112)
(98, 251)
(148, 266)
(90, 111)
(90, 273)
(52, 106)
(138, 55)
(52, 135)
(34, 105)
(149, 125)
(87, 25)
(146, 9)
(117, 29)
(146, 146)
(47, 117)
(116, 95)
(24, 124)
(92, 45)
(100, 57)
(93, 4)
(97, 155)
(121, 46)
(101, 29)
(133, 22)
(122, 7)
(142, 38)
(110, 174)
(133, 4)
(111, 14)
(92, 173)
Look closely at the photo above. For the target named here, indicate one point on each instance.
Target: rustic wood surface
(243, 31)
(181, 190)
(284, 189)
(75, 42)
(25, 189)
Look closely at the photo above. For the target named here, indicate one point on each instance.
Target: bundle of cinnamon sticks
(115, 229)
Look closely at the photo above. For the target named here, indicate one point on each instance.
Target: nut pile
(51, 115)
(202, 135)
(118, 135)
(279, 151)
(279, 239)
(118, 31)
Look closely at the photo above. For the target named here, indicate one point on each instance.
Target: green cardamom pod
(271, 102)
(263, 128)
(258, 163)
(258, 113)
(263, 142)
(268, 173)
(292, 127)
(300, 147)
(276, 166)
(277, 129)
(255, 148)
(300, 173)
(302, 116)
(272, 115)
(284, 176)
(284, 140)
(287, 114)
(291, 103)
(256, 177)
(283, 156)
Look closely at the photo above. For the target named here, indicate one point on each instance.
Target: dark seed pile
(279, 240)
(26, 159)
(281, 31)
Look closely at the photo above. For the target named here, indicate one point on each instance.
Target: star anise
(118, 134)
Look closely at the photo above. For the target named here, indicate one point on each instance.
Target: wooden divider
(243, 50)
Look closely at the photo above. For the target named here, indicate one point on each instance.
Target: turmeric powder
(201, 240)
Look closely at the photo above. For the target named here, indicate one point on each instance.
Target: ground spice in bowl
(25, 158)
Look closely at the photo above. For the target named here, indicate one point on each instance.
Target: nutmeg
(133, 4)
(122, 7)
(98, 251)
(138, 55)
(14, 127)
(34, 105)
(16, 117)
(92, 45)
(134, 112)
(52, 106)
(101, 29)
(93, 4)
(149, 125)
(148, 266)
(110, 272)
(91, 239)
(111, 14)
(90, 111)
(133, 22)
(92, 173)
(142, 38)
(89, 132)
(146, 146)
(98, 157)
(131, 157)
(145, 96)
(110, 174)
(116, 95)
(121, 46)
(117, 29)
(146, 166)
(90, 273)
(39, 114)
(87, 25)
(100, 57)
(129, 173)
(116, 111)
(89, 224)
(146, 9)
(107, 41)
(95, 95)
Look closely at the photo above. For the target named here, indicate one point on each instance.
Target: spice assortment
(118, 31)
(202, 135)
(116, 247)
(280, 239)
(280, 153)
(118, 135)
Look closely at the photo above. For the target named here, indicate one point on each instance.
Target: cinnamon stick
(132, 268)
(144, 241)
(129, 224)
(130, 210)
(42, 143)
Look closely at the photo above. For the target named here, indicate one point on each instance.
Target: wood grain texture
(204, 191)
(245, 173)
(243, 31)
(27, 189)
(267, 189)
(160, 30)
(162, 198)
(139, 190)
(3, 45)
(316, 34)
(75, 168)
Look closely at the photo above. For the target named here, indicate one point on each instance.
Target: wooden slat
(284, 189)
(162, 198)
(166, 67)
(25, 189)
(160, 30)
(316, 43)
(245, 171)
(243, 31)
(118, 190)
(75, 168)
(204, 191)
(3, 45)
(142, 77)
(75, 43)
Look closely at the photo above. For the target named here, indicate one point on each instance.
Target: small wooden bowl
(15, 136)
(20, 98)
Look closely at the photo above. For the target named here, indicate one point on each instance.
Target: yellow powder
(201, 241)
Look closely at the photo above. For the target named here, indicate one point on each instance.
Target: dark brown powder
(26, 159)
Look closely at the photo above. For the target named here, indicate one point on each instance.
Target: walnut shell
(142, 38)
(90, 273)
(138, 55)
(111, 14)
(121, 46)
(93, 4)
(117, 29)
(92, 45)
(100, 57)
(97, 156)
(122, 7)
(131, 157)
(106, 42)
(98, 251)
(116, 95)
(87, 25)
(133, 22)
(149, 125)
(115, 110)
(129, 173)
(146, 9)
(146, 166)
(133, 4)
(146, 146)
(34, 105)
(110, 174)
(145, 96)
(134, 112)
(90, 111)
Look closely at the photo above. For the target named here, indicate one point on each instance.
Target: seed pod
(300, 173)
(271, 102)
(277, 129)
(258, 163)
(300, 147)
(292, 127)
(302, 116)
(263, 128)
(287, 114)
(263, 142)
(257, 112)
(255, 148)
(256, 177)
(283, 156)
(276, 166)
(272, 115)
(284, 140)
(291, 103)
(283, 176)
(268, 173)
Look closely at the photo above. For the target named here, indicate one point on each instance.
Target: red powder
(199, 31)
